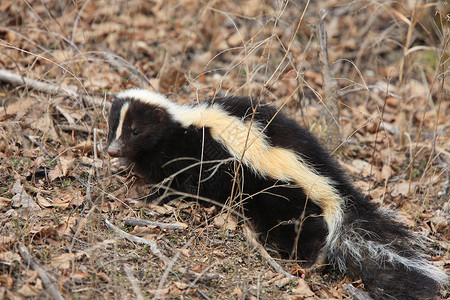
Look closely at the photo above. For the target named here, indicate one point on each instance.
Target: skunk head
(135, 127)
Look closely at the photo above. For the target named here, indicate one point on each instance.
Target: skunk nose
(114, 149)
(113, 152)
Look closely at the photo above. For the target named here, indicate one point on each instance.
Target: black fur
(160, 147)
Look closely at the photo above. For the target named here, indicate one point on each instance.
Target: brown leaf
(21, 198)
(296, 270)
(6, 281)
(283, 282)
(4, 203)
(386, 172)
(172, 78)
(10, 257)
(402, 188)
(144, 230)
(225, 222)
(29, 290)
(64, 261)
(45, 124)
(65, 164)
(200, 267)
(55, 173)
(439, 223)
(7, 241)
(103, 276)
(302, 289)
(181, 285)
(68, 224)
(45, 231)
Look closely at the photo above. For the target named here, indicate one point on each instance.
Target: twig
(163, 226)
(330, 87)
(444, 192)
(79, 128)
(201, 276)
(33, 140)
(18, 80)
(47, 280)
(372, 86)
(134, 284)
(87, 200)
(169, 268)
(135, 239)
(254, 243)
(355, 293)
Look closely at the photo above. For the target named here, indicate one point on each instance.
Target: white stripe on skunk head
(135, 126)
(135, 109)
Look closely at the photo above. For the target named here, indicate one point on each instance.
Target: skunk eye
(136, 132)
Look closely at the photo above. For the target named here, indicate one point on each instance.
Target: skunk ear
(159, 114)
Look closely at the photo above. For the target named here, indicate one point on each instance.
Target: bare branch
(48, 88)
(330, 88)
(47, 280)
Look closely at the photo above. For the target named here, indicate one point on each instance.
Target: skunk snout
(114, 149)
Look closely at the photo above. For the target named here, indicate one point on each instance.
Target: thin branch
(355, 293)
(169, 268)
(153, 246)
(254, 243)
(48, 88)
(161, 225)
(134, 283)
(330, 88)
(47, 280)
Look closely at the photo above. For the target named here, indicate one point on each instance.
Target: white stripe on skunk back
(277, 163)
(150, 131)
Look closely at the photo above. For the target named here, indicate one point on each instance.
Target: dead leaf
(65, 164)
(43, 202)
(163, 210)
(21, 198)
(64, 261)
(45, 231)
(237, 292)
(79, 275)
(29, 290)
(181, 285)
(86, 147)
(159, 292)
(402, 188)
(283, 281)
(45, 125)
(6, 281)
(363, 167)
(386, 172)
(172, 78)
(235, 39)
(298, 271)
(225, 222)
(55, 173)
(439, 223)
(103, 276)
(199, 267)
(302, 289)
(10, 257)
(4, 202)
(7, 241)
(67, 225)
(143, 230)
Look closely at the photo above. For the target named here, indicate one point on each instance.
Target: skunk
(242, 152)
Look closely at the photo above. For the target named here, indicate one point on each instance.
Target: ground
(390, 60)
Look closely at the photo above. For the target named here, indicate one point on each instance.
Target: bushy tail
(373, 247)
